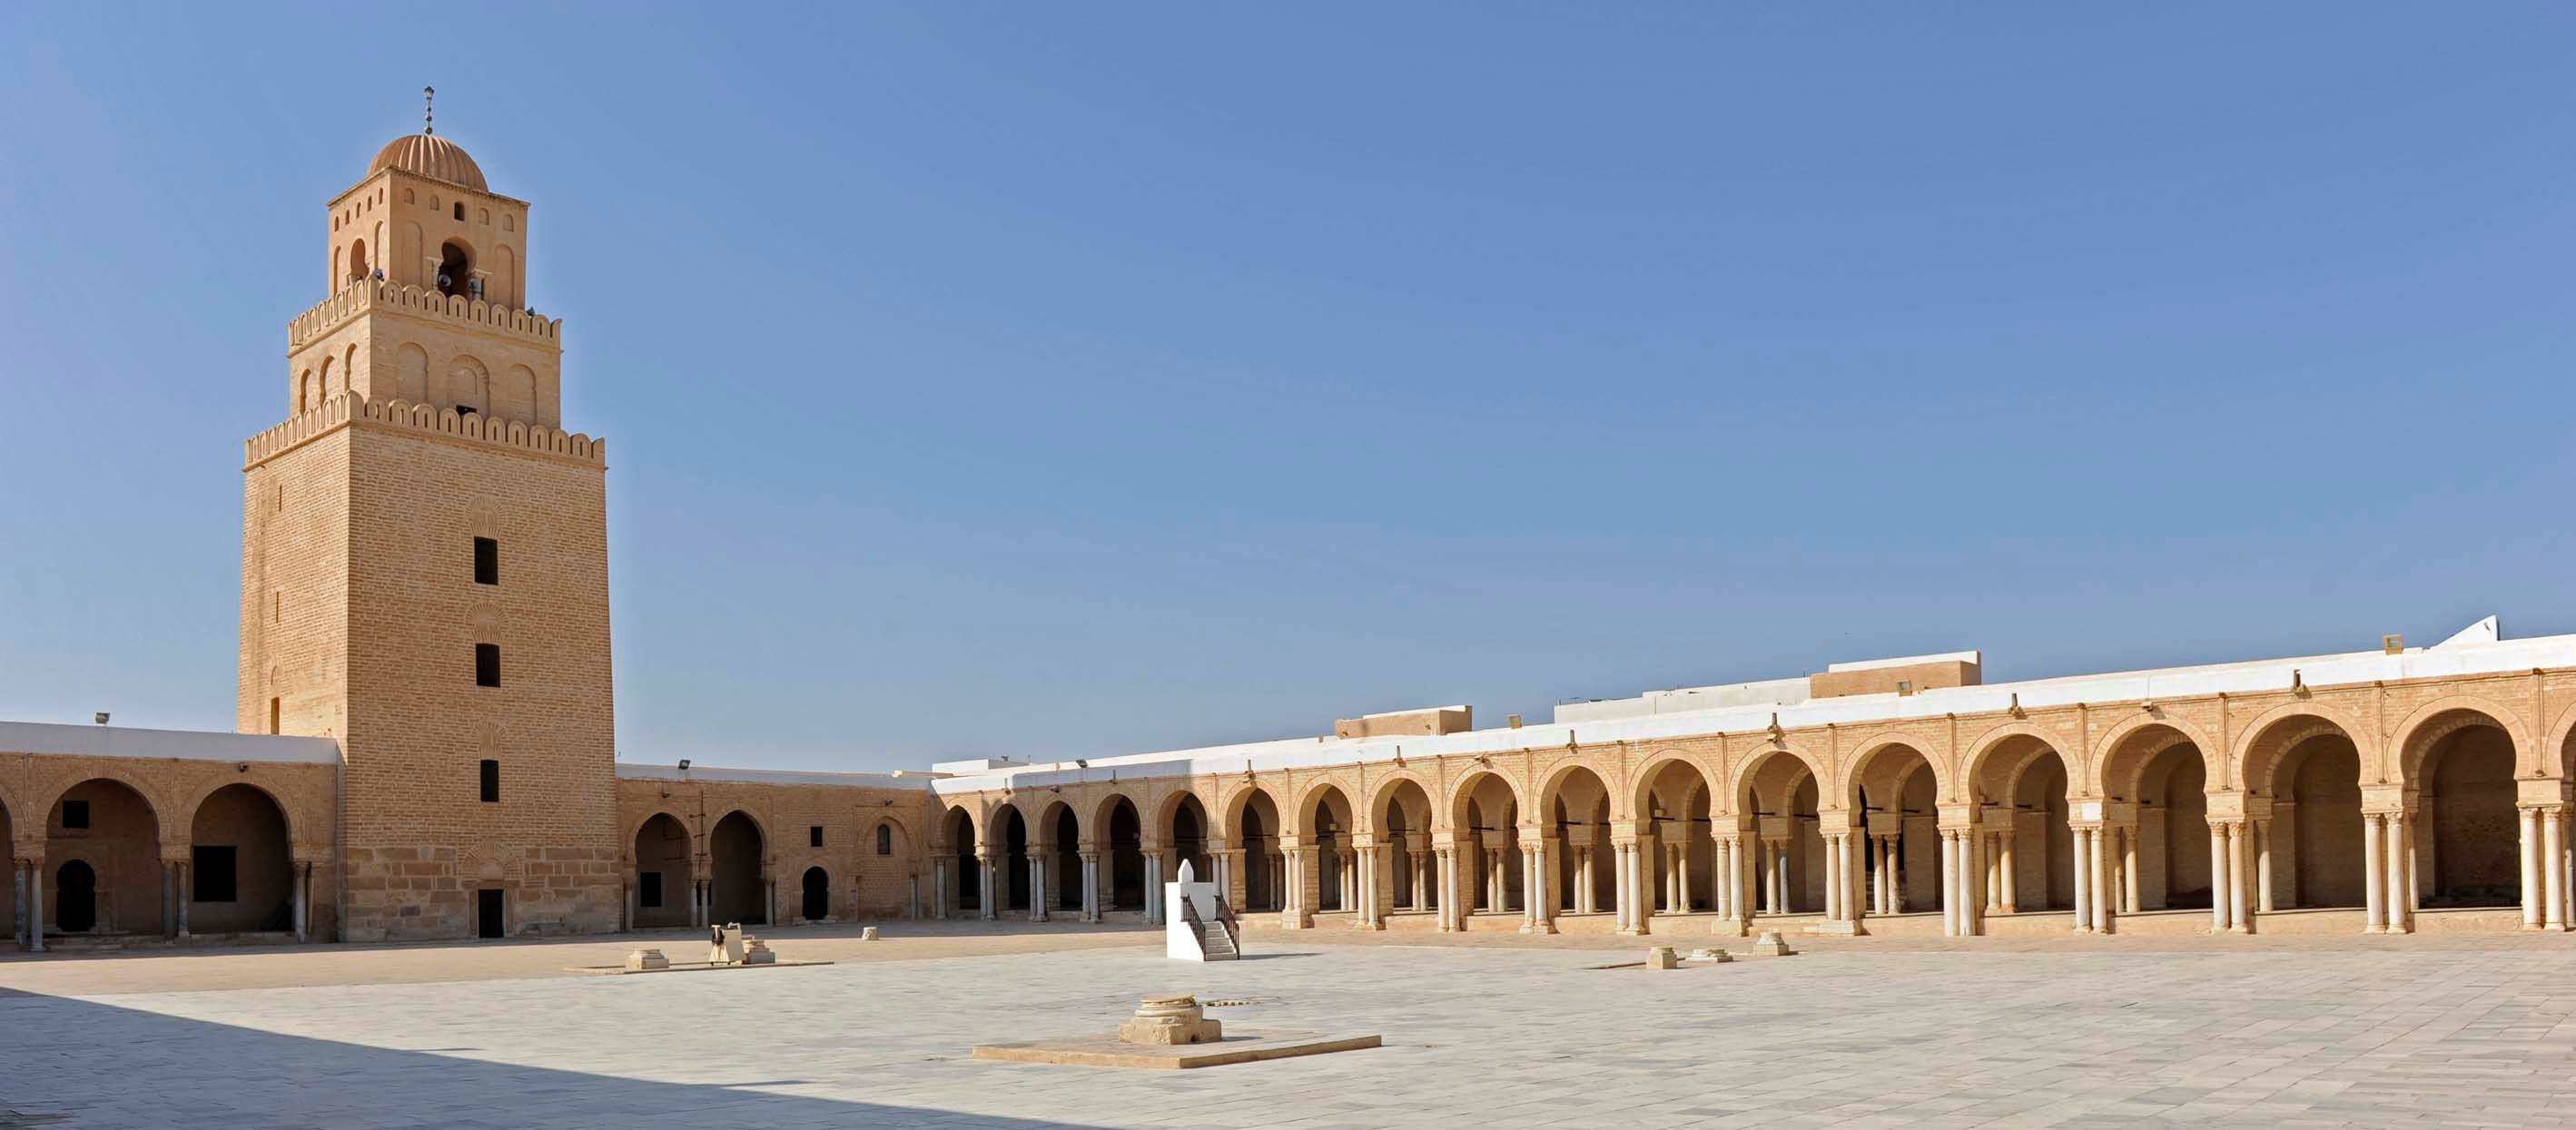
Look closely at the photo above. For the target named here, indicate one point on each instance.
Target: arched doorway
(1014, 863)
(2165, 857)
(455, 271)
(1330, 823)
(1789, 872)
(1897, 799)
(1064, 867)
(242, 870)
(2311, 771)
(818, 895)
(1263, 866)
(1189, 840)
(1404, 822)
(735, 892)
(1487, 822)
(2468, 840)
(75, 898)
(1578, 808)
(114, 833)
(1126, 857)
(1675, 813)
(2043, 835)
(662, 880)
(966, 879)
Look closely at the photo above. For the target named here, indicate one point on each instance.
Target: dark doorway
(487, 913)
(818, 894)
(76, 898)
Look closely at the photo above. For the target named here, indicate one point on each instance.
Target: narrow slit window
(491, 781)
(487, 561)
(885, 840)
(814, 836)
(487, 665)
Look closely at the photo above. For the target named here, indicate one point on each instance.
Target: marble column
(2374, 832)
(36, 905)
(2553, 838)
(2401, 911)
(1037, 887)
(184, 876)
(2263, 866)
(2240, 888)
(169, 889)
(2083, 881)
(2219, 903)
(2533, 897)
(2129, 881)
(2005, 872)
(18, 904)
(938, 890)
(303, 883)
(1950, 908)
(1780, 875)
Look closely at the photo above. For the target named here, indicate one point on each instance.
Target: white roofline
(51, 738)
(634, 771)
(2165, 682)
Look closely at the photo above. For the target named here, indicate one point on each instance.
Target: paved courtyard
(2478, 1033)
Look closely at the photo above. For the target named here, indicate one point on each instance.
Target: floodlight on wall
(100, 718)
(1080, 763)
(2393, 645)
(1512, 720)
(684, 765)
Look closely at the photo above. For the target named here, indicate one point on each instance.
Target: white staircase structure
(1204, 929)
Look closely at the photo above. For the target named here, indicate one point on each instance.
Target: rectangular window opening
(272, 716)
(487, 561)
(814, 836)
(214, 877)
(487, 665)
(491, 781)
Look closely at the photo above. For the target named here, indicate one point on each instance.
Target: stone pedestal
(1167, 1020)
(1771, 944)
(644, 960)
(1661, 957)
(756, 952)
(1712, 956)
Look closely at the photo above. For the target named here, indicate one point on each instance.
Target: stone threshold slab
(1108, 1051)
(683, 967)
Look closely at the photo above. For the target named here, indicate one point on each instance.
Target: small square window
(814, 836)
(487, 665)
(487, 561)
(648, 891)
(75, 814)
(215, 878)
(491, 781)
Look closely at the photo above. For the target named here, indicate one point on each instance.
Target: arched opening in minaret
(357, 259)
(455, 268)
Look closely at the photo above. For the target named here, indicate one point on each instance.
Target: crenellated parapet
(344, 408)
(368, 294)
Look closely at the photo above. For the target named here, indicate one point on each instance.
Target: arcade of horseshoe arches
(425, 743)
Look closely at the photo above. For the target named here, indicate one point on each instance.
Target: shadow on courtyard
(83, 1063)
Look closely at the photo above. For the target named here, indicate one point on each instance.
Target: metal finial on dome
(427, 93)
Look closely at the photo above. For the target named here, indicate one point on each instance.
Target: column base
(2010, 909)
(1538, 927)
(1363, 924)
(2240, 928)
(1831, 929)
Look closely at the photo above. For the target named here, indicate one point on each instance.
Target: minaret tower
(425, 570)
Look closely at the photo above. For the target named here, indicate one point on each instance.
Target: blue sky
(1051, 381)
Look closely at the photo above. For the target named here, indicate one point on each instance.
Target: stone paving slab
(1514, 1037)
